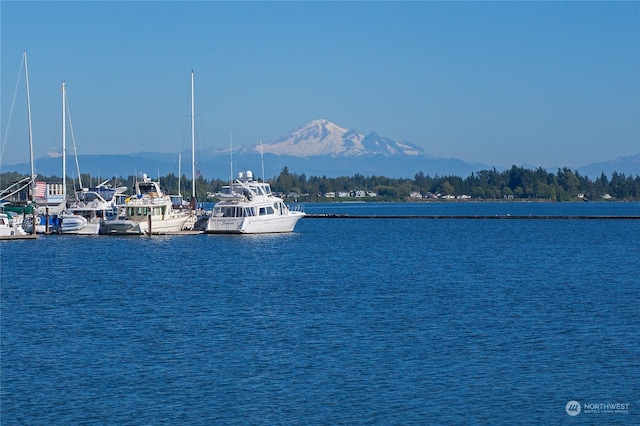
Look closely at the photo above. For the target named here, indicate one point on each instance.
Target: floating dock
(18, 237)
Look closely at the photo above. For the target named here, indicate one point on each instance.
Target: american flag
(41, 189)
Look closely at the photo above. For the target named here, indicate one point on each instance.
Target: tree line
(514, 183)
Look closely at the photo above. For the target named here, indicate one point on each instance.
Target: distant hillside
(627, 165)
(319, 148)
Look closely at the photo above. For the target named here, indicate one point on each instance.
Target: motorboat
(247, 206)
(91, 208)
(10, 230)
(148, 211)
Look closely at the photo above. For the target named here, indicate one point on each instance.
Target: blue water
(345, 321)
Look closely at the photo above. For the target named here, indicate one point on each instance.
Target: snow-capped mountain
(322, 137)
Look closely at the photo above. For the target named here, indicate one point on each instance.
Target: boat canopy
(29, 209)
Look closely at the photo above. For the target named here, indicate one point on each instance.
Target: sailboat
(21, 208)
(196, 219)
(92, 205)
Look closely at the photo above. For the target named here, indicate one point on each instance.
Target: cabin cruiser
(91, 207)
(248, 207)
(148, 211)
(10, 228)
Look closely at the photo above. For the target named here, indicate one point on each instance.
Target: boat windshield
(148, 188)
(226, 190)
(87, 196)
(234, 211)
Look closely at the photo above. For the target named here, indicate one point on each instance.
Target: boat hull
(120, 227)
(164, 226)
(253, 225)
(78, 225)
(131, 227)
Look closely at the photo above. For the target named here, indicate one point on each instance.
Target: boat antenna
(262, 160)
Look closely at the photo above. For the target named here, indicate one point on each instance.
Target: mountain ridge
(323, 137)
(318, 148)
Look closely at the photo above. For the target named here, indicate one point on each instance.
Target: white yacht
(148, 211)
(10, 229)
(91, 207)
(248, 207)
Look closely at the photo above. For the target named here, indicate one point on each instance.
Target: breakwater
(517, 217)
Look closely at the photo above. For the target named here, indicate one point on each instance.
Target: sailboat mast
(193, 143)
(64, 143)
(26, 74)
(179, 171)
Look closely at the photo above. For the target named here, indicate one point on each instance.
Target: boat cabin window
(281, 208)
(266, 210)
(256, 189)
(228, 211)
(87, 196)
(137, 211)
(226, 190)
(149, 189)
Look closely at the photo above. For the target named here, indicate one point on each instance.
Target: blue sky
(541, 84)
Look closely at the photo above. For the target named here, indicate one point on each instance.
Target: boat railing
(296, 207)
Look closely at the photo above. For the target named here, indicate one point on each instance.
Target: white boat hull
(158, 226)
(164, 226)
(253, 225)
(78, 225)
(120, 227)
(11, 231)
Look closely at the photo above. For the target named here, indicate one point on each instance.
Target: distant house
(372, 194)
(359, 193)
(467, 197)
(343, 194)
(415, 195)
(330, 195)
